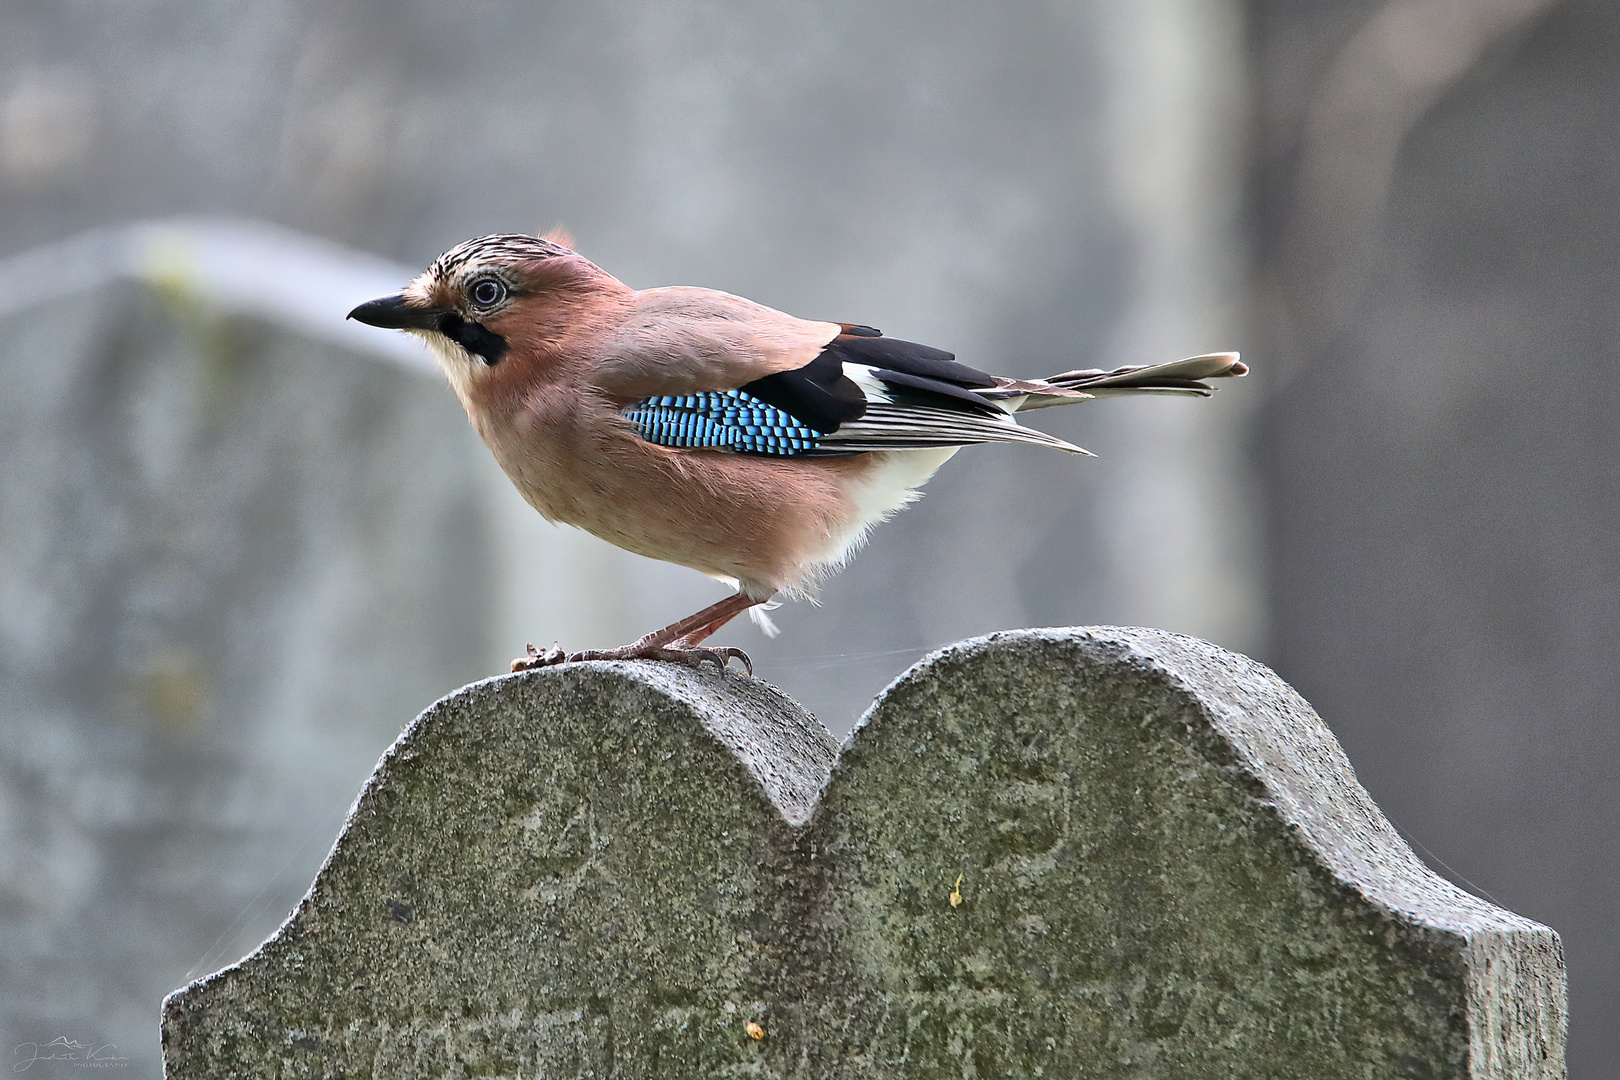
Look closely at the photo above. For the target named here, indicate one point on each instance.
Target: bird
(704, 429)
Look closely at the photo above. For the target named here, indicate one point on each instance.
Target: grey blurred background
(242, 544)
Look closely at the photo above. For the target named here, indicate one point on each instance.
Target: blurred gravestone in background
(1440, 195)
(232, 552)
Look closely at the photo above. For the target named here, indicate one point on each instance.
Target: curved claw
(721, 655)
(748, 665)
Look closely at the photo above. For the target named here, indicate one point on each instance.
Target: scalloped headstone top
(1095, 852)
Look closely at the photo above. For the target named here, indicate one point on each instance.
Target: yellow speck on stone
(956, 892)
(755, 1032)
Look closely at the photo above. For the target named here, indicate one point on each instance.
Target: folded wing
(863, 392)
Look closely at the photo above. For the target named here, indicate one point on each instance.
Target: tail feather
(1181, 377)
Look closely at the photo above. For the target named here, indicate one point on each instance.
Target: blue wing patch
(721, 420)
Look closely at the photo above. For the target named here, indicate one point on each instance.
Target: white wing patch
(861, 375)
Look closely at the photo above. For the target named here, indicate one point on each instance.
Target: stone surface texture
(1094, 852)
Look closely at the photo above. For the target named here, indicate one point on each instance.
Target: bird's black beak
(396, 313)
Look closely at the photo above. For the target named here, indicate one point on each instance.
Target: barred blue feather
(723, 420)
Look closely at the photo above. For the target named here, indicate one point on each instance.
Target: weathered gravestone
(1065, 853)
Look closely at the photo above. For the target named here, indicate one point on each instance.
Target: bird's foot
(675, 652)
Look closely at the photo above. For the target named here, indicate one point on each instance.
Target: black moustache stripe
(474, 337)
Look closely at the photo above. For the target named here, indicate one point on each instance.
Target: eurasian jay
(703, 429)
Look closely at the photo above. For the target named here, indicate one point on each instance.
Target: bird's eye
(488, 292)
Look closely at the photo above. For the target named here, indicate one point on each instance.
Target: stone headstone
(1061, 853)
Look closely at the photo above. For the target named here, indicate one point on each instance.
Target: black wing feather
(908, 358)
(822, 397)
(916, 390)
(818, 394)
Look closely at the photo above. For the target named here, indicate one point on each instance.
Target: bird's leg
(698, 637)
(679, 641)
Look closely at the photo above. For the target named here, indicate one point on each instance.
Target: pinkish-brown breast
(765, 522)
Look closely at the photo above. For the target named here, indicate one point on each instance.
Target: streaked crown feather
(499, 249)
